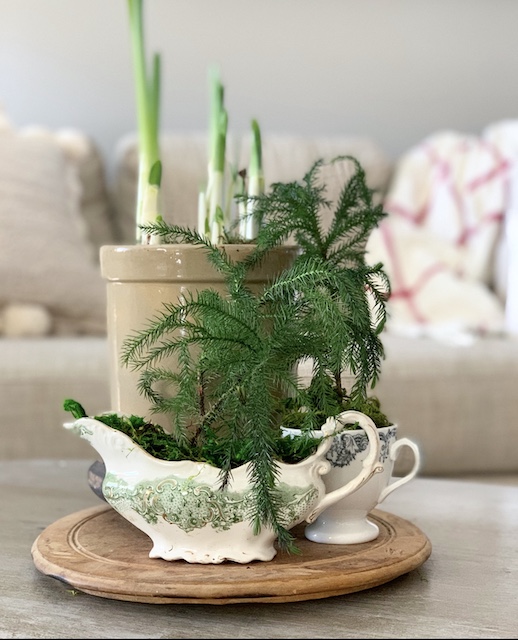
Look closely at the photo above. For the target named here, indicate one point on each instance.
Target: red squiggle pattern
(401, 290)
(459, 193)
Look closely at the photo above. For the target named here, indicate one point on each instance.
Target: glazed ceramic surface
(346, 521)
(181, 507)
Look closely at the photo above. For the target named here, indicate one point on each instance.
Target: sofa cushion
(36, 376)
(184, 159)
(457, 402)
(95, 205)
(46, 256)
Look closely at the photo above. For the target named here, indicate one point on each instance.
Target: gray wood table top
(468, 588)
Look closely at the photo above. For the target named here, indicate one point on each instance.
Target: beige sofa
(457, 402)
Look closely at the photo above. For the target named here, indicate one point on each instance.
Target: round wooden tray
(98, 552)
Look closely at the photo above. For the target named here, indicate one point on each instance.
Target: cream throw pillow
(95, 206)
(45, 257)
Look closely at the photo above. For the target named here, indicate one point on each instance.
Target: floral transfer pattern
(348, 445)
(190, 505)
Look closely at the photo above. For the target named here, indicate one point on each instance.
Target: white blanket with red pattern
(447, 204)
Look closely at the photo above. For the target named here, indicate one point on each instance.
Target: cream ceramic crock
(141, 278)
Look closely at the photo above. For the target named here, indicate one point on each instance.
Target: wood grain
(466, 589)
(98, 552)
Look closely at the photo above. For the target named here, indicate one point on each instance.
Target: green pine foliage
(235, 380)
